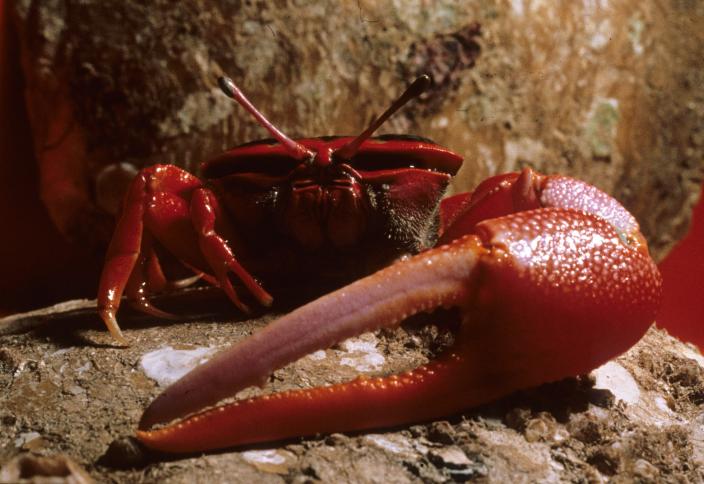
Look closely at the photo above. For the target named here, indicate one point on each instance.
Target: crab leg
(216, 251)
(146, 278)
(168, 206)
(122, 256)
(545, 294)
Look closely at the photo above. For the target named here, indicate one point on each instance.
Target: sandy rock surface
(68, 394)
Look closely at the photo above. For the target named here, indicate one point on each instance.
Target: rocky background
(609, 92)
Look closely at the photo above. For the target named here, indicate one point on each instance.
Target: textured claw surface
(567, 294)
(420, 394)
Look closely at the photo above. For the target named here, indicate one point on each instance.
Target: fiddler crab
(551, 276)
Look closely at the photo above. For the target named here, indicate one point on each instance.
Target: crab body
(325, 210)
(321, 219)
(328, 219)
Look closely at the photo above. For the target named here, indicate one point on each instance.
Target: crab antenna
(414, 90)
(297, 150)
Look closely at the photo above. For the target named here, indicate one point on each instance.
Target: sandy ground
(67, 393)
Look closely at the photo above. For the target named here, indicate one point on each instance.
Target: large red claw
(439, 277)
(545, 294)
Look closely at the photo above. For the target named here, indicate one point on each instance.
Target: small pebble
(645, 470)
(26, 438)
(8, 420)
(124, 453)
(76, 390)
(43, 469)
(273, 461)
(540, 429)
(336, 439)
(450, 457)
(441, 432)
(517, 418)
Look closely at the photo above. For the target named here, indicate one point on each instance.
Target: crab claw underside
(543, 295)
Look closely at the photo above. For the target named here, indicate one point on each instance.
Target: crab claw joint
(544, 294)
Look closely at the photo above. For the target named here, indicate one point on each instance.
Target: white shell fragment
(166, 365)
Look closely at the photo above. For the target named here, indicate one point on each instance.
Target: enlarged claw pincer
(545, 293)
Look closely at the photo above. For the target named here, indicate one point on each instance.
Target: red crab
(552, 278)
(283, 210)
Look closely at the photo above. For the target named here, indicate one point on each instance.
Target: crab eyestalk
(416, 88)
(297, 150)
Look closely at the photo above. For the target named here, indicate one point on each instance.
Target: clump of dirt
(681, 379)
